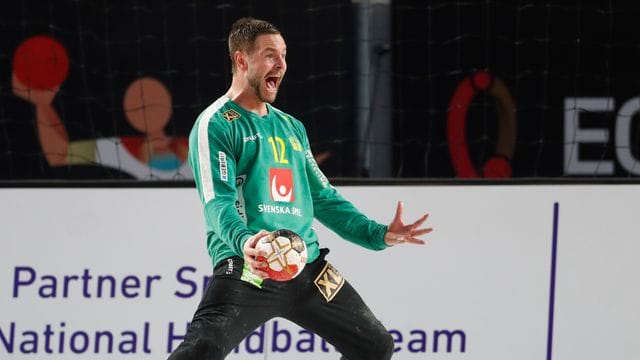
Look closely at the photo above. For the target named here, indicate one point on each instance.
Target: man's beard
(255, 82)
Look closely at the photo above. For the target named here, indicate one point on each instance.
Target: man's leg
(336, 312)
(230, 309)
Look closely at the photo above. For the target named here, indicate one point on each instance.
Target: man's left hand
(398, 232)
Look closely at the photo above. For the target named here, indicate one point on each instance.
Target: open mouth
(272, 83)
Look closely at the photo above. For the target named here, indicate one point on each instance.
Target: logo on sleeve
(222, 159)
(281, 184)
(230, 115)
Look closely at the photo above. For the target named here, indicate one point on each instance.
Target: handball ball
(286, 254)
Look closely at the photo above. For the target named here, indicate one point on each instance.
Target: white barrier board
(115, 273)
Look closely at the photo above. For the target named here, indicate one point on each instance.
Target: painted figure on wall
(40, 66)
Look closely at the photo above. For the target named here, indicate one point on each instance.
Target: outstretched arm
(398, 232)
(51, 131)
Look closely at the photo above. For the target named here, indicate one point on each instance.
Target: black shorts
(319, 300)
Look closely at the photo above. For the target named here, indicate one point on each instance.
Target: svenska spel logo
(281, 184)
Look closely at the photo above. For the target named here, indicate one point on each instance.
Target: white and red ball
(286, 254)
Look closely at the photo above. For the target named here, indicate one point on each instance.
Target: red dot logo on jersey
(281, 184)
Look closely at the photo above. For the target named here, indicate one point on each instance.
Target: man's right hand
(250, 253)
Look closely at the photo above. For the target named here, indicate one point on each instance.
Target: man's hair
(243, 34)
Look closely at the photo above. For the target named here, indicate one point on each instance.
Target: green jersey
(256, 173)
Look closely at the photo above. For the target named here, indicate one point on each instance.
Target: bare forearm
(52, 134)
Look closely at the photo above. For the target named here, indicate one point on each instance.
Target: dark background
(543, 51)
(184, 45)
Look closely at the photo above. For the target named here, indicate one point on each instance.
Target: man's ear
(240, 58)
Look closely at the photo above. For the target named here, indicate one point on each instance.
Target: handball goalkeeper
(254, 170)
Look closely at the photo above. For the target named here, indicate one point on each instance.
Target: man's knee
(199, 345)
(379, 347)
(384, 347)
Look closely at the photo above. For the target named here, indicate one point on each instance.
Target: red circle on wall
(41, 62)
